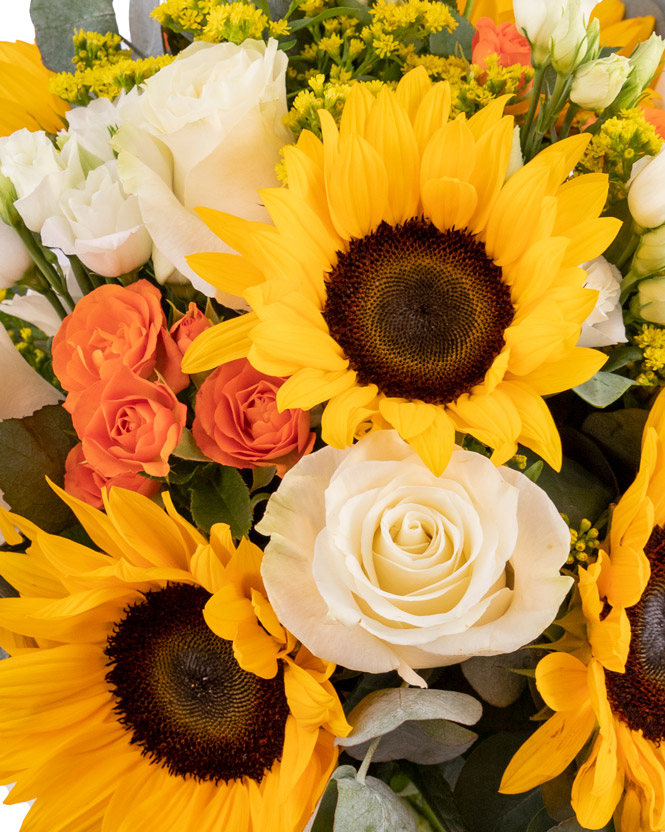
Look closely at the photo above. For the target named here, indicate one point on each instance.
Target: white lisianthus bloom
(597, 83)
(25, 390)
(14, 258)
(100, 224)
(27, 158)
(95, 124)
(377, 564)
(569, 37)
(646, 195)
(651, 299)
(604, 326)
(206, 131)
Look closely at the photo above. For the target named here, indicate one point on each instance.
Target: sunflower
(25, 100)
(609, 693)
(408, 284)
(152, 684)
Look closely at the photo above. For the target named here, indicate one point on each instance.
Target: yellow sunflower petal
(226, 272)
(219, 344)
(451, 152)
(593, 809)
(562, 681)
(432, 113)
(549, 751)
(590, 240)
(538, 429)
(408, 418)
(492, 155)
(309, 386)
(489, 116)
(492, 419)
(411, 90)
(345, 412)
(578, 366)
(449, 203)
(356, 109)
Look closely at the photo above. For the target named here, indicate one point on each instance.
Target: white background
(15, 24)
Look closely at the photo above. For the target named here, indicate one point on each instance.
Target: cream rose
(206, 131)
(377, 564)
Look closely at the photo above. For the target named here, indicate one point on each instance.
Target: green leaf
(541, 822)
(324, 820)
(603, 389)
(435, 789)
(32, 449)
(575, 491)
(449, 43)
(371, 806)
(188, 449)
(262, 477)
(385, 710)
(620, 357)
(225, 499)
(359, 12)
(618, 433)
(55, 26)
(477, 789)
(494, 677)
(427, 742)
(534, 471)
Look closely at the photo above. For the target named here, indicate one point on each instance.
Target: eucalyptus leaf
(575, 491)
(556, 795)
(428, 742)
(621, 356)
(493, 677)
(371, 806)
(448, 43)
(144, 31)
(324, 818)
(385, 710)
(55, 26)
(32, 449)
(188, 449)
(603, 389)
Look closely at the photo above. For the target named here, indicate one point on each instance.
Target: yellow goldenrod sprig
(583, 543)
(106, 81)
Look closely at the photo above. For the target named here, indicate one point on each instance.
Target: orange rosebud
(86, 483)
(186, 329)
(128, 424)
(503, 40)
(237, 422)
(112, 327)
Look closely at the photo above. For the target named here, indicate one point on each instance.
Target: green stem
(548, 116)
(53, 279)
(81, 275)
(628, 251)
(54, 300)
(422, 807)
(362, 771)
(573, 110)
(468, 9)
(538, 78)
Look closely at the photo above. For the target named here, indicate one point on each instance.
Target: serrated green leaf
(32, 449)
(55, 26)
(371, 806)
(449, 43)
(225, 499)
(603, 389)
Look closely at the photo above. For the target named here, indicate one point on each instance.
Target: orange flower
(86, 483)
(127, 424)
(112, 327)
(503, 40)
(237, 421)
(656, 117)
(186, 329)
(25, 100)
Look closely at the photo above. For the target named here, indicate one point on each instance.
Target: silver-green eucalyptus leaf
(493, 677)
(371, 806)
(428, 742)
(55, 24)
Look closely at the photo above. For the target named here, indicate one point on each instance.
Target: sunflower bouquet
(332, 448)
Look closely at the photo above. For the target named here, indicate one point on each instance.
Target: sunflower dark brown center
(418, 312)
(638, 695)
(184, 698)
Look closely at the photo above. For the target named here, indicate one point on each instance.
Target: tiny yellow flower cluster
(472, 86)
(216, 21)
(105, 81)
(614, 150)
(95, 49)
(651, 340)
(322, 95)
(583, 543)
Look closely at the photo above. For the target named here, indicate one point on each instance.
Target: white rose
(206, 131)
(604, 326)
(100, 224)
(15, 260)
(377, 564)
(646, 196)
(597, 83)
(651, 299)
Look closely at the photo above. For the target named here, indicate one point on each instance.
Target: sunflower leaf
(32, 449)
(603, 389)
(54, 30)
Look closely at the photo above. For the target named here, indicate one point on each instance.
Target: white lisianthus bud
(604, 326)
(15, 260)
(597, 84)
(538, 20)
(650, 254)
(644, 63)
(569, 38)
(646, 196)
(100, 224)
(651, 299)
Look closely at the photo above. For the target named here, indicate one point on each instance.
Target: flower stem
(81, 275)
(468, 9)
(362, 771)
(538, 78)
